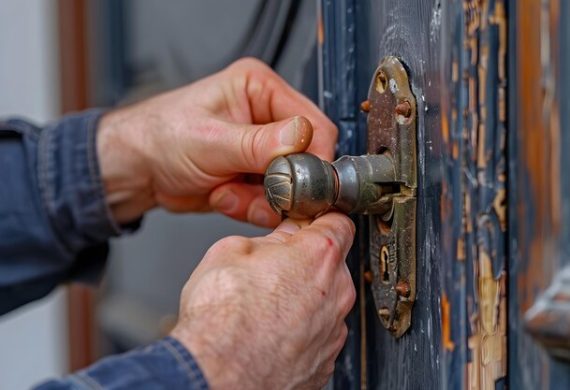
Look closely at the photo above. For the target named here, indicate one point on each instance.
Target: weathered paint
(475, 49)
(485, 222)
(446, 324)
(410, 31)
(337, 74)
(484, 162)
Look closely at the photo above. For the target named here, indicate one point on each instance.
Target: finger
(286, 229)
(272, 99)
(244, 202)
(183, 204)
(338, 340)
(330, 235)
(345, 290)
(250, 148)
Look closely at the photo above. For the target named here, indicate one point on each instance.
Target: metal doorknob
(304, 186)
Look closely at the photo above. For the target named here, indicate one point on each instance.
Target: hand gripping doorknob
(304, 186)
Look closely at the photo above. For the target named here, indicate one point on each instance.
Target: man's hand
(268, 312)
(195, 148)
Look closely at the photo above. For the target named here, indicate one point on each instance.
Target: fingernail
(295, 132)
(259, 217)
(226, 202)
(288, 134)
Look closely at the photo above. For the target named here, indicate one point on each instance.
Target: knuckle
(351, 297)
(346, 225)
(250, 62)
(252, 146)
(343, 334)
(329, 369)
(235, 244)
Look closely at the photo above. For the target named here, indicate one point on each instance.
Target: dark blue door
(493, 242)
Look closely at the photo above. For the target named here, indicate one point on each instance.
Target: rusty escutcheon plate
(392, 130)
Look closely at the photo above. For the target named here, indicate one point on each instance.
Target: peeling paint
(484, 190)
(446, 324)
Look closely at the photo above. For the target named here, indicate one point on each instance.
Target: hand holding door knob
(304, 186)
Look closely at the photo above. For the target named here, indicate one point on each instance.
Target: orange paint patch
(448, 344)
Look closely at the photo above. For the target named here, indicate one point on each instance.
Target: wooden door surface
(492, 308)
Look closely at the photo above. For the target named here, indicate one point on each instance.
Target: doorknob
(381, 184)
(304, 186)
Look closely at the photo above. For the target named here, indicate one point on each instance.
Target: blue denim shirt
(54, 227)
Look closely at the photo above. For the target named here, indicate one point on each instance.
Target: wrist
(213, 346)
(124, 171)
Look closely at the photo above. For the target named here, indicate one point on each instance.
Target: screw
(404, 108)
(403, 289)
(365, 106)
(384, 313)
(368, 276)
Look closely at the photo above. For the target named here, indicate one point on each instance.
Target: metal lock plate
(392, 131)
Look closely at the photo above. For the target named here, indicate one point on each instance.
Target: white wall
(33, 339)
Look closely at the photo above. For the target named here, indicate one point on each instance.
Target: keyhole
(384, 255)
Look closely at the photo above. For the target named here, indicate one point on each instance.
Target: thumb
(251, 148)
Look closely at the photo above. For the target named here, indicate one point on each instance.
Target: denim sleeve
(166, 364)
(54, 221)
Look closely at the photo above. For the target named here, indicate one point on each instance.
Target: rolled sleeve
(165, 364)
(54, 219)
(70, 182)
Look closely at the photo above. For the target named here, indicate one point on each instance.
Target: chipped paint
(484, 191)
(446, 324)
(488, 342)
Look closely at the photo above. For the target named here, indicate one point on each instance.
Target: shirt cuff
(165, 364)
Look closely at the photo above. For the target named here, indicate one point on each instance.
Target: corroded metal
(392, 131)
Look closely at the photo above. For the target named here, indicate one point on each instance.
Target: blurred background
(59, 56)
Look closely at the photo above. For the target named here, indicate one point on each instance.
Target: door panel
(539, 188)
(492, 196)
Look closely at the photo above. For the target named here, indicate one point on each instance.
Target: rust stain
(446, 324)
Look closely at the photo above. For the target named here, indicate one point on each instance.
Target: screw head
(404, 109)
(403, 288)
(365, 106)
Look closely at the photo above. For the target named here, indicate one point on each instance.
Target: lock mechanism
(381, 184)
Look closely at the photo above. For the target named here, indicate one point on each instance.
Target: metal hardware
(392, 131)
(304, 186)
(382, 184)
